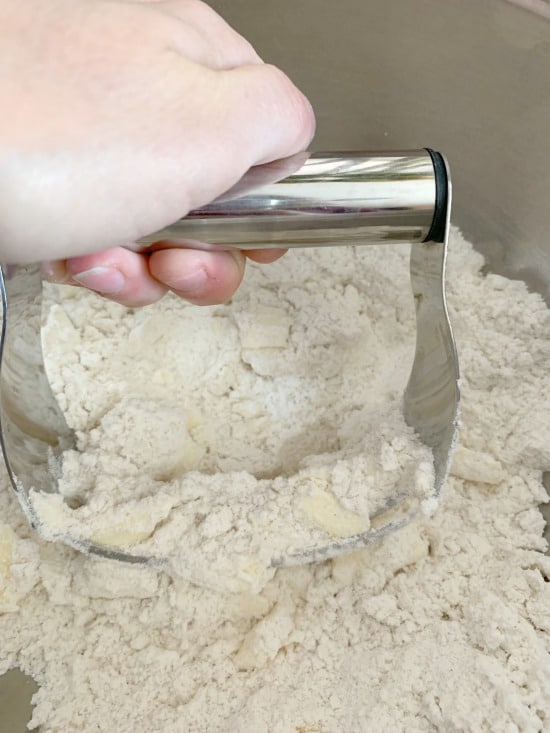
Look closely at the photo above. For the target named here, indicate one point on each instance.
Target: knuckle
(295, 106)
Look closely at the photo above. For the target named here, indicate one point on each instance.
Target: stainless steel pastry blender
(331, 200)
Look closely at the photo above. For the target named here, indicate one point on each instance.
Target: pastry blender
(330, 200)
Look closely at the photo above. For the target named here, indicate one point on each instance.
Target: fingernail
(191, 283)
(105, 280)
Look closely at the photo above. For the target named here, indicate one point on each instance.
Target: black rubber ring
(439, 221)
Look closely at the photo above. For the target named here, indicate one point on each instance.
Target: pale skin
(119, 117)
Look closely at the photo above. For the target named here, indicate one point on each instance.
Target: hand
(124, 116)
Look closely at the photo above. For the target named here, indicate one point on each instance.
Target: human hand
(124, 116)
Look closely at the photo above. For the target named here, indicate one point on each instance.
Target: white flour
(444, 626)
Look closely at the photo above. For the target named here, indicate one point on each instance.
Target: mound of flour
(220, 439)
(443, 626)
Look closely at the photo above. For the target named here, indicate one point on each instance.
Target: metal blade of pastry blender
(331, 200)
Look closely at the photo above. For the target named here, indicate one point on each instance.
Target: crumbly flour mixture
(443, 626)
(247, 429)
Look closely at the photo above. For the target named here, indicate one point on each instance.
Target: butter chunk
(324, 510)
(267, 327)
(476, 466)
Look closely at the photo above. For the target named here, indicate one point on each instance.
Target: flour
(443, 626)
(227, 437)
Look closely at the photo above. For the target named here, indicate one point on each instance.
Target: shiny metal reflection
(334, 198)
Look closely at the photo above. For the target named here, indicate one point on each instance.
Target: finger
(201, 277)
(264, 256)
(265, 118)
(204, 36)
(263, 175)
(55, 271)
(268, 111)
(118, 274)
(233, 49)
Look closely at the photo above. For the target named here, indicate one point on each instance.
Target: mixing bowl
(469, 77)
